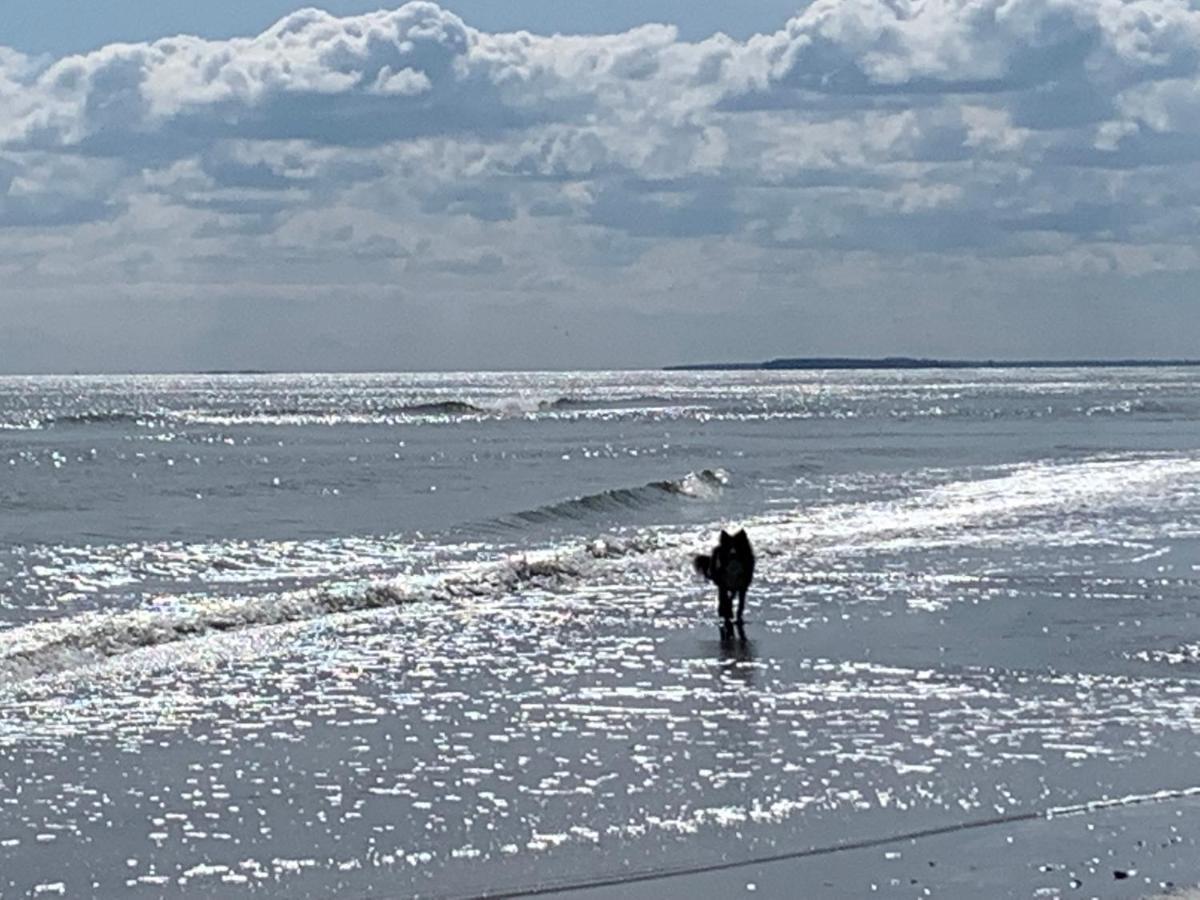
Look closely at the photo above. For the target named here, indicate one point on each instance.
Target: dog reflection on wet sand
(737, 655)
(730, 567)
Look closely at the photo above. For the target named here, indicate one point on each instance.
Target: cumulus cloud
(406, 148)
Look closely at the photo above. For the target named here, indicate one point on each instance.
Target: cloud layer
(867, 153)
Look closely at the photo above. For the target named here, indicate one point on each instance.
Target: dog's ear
(726, 540)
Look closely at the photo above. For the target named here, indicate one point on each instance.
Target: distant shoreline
(910, 362)
(813, 363)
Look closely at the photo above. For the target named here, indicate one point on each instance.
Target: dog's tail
(703, 565)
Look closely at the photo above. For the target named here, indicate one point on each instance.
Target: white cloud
(948, 137)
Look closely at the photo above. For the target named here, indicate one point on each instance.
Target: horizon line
(814, 363)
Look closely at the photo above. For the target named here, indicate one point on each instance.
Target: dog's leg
(741, 605)
(724, 603)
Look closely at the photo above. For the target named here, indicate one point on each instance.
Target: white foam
(947, 512)
(958, 512)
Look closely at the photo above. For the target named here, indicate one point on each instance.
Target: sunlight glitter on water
(985, 618)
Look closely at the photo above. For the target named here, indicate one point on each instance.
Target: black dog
(731, 569)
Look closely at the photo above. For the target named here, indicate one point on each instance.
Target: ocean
(439, 634)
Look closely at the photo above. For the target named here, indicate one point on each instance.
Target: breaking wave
(113, 417)
(572, 402)
(88, 638)
(97, 417)
(1044, 504)
(48, 648)
(438, 410)
(433, 410)
(703, 485)
(442, 408)
(271, 415)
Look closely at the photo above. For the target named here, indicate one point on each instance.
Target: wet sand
(1132, 851)
(547, 739)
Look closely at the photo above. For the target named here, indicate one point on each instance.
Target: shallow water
(389, 634)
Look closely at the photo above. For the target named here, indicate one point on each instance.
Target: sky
(539, 184)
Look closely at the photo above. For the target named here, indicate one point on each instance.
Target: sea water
(439, 633)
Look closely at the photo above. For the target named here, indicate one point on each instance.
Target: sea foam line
(953, 510)
(45, 648)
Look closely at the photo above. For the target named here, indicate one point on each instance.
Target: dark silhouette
(909, 362)
(731, 568)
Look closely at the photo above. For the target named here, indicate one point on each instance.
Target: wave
(441, 408)
(360, 413)
(1050, 503)
(1133, 407)
(423, 408)
(507, 407)
(436, 407)
(571, 402)
(100, 417)
(49, 648)
(233, 564)
(436, 411)
(283, 414)
(703, 485)
(89, 638)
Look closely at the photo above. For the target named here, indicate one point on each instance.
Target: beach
(447, 640)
